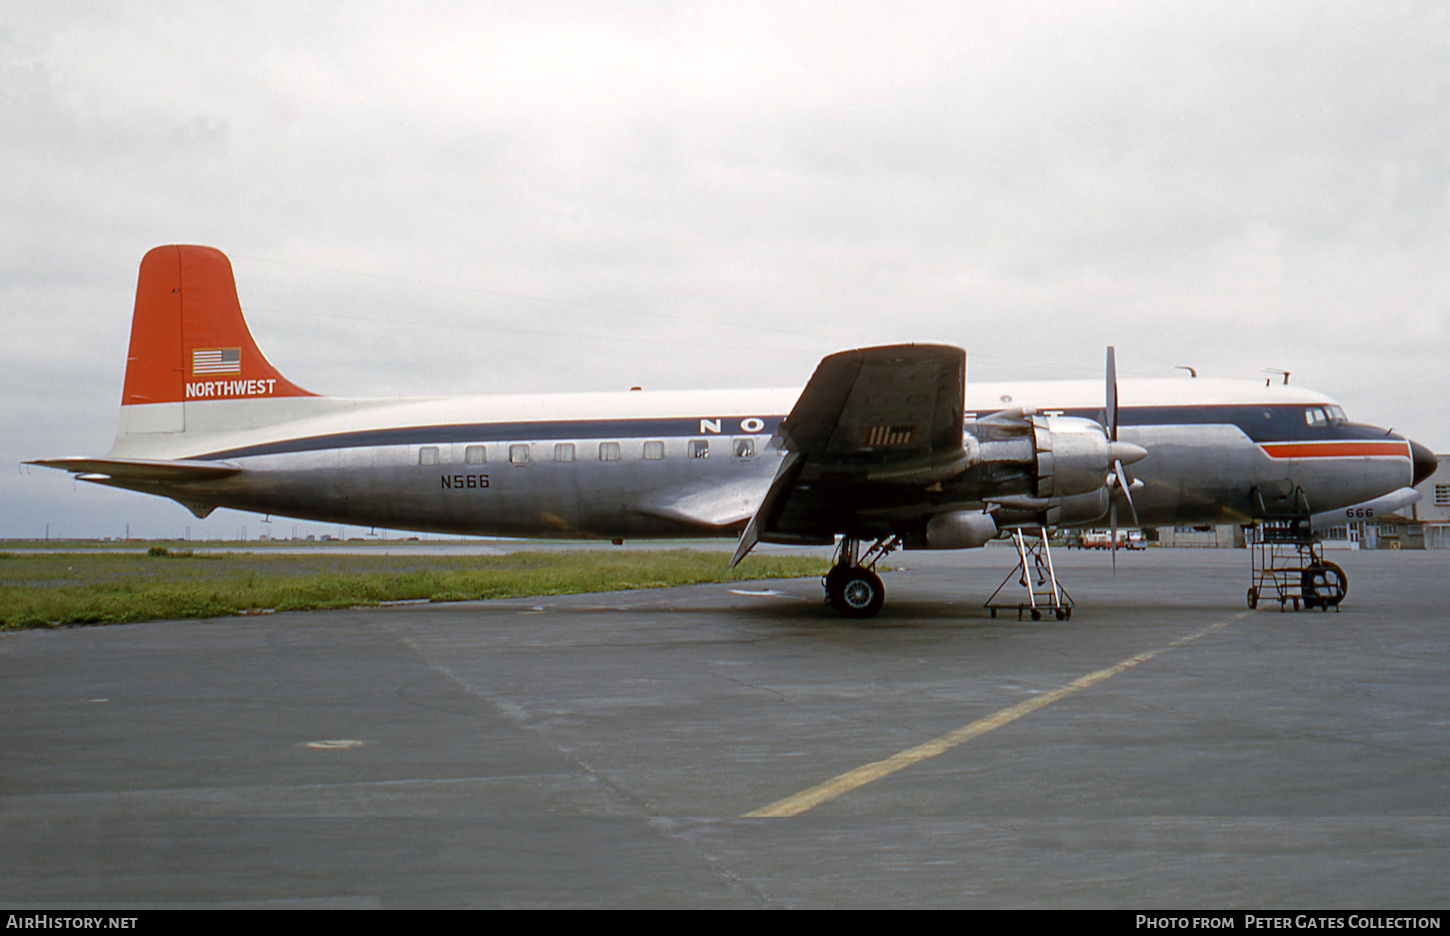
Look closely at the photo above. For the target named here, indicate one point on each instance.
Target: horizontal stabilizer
(142, 469)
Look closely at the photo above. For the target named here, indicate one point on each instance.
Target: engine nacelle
(1074, 455)
(1079, 509)
(1069, 467)
(960, 529)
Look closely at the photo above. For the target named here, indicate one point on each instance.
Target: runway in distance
(884, 448)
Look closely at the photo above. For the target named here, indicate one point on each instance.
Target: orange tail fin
(189, 340)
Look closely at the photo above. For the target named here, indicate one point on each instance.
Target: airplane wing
(874, 418)
(883, 414)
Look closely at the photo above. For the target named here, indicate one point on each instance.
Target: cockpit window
(1324, 416)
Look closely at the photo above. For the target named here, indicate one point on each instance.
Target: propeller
(1117, 453)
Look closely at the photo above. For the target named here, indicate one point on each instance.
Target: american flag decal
(889, 435)
(216, 360)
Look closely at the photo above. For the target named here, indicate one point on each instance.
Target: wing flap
(769, 507)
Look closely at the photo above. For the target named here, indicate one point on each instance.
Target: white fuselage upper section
(206, 426)
(660, 464)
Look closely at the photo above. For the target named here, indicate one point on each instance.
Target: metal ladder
(1034, 574)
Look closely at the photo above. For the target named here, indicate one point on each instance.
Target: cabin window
(1315, 416)
(428, 455)
(519, 454)
(699, 448)
(609, 451)
(653, 451)
(474, 455)
(743, 448)
(564, 452)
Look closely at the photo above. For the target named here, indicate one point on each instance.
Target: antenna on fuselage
(1275, 370)
(1191, 371)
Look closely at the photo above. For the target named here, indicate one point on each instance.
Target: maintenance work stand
(1287, 564)
(1034, 574)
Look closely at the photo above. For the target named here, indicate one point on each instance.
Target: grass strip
(57, 589)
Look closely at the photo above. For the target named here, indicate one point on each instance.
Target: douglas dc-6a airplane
(885, 447)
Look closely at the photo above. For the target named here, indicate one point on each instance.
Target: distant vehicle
(884, 448)
(1103, 539)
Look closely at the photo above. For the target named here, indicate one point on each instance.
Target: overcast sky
(427, 199)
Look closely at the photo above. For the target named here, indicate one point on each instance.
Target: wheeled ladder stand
(1035, 574)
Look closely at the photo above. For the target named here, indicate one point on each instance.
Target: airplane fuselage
(686, 464)
(887, 446)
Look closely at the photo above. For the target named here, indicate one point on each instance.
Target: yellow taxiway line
(870, 773)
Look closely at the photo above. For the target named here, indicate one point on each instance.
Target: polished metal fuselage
(693, 464)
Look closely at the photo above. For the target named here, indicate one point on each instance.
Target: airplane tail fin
(189, 340)
(196, 383)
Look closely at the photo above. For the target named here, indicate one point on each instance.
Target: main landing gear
(852, 586)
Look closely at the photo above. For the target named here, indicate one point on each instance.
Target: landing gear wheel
(855, 592)
(1323, 585)
(1253, 599)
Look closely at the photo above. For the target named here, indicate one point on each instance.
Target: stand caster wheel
(1324, 585)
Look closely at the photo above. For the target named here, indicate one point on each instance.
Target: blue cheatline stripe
(674, 427)
(1261, 422)
(1269, 422)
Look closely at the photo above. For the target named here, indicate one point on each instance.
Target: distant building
(1222, 536)
(1432, 514)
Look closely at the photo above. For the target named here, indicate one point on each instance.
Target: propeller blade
(1113, 520)
(1122, 477)
(1111, 397)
